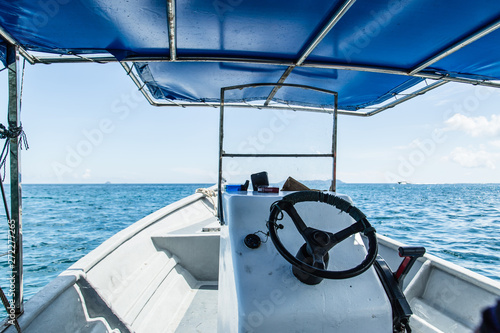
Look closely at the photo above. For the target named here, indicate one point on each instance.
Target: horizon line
(212, 183)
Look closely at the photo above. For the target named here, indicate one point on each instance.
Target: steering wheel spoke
(347, 232)
(294, 215)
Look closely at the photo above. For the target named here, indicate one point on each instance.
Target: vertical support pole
(333, 186)
(221, 152)
(15, 180)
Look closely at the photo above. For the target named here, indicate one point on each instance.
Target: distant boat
(403, 182)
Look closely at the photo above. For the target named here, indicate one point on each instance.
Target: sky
(87, 123)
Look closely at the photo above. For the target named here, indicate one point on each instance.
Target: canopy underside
(185, 51)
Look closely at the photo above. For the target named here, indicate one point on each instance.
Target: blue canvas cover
(366, 56)
(3, 54)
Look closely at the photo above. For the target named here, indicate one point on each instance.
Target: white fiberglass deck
(143, 279)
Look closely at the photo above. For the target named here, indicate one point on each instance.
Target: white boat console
(258, 291)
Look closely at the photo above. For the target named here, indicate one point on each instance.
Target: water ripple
(457, 222)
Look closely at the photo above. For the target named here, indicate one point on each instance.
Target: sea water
(62, 223)
(456, 222)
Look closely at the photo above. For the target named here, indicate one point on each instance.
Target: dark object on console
(294, 185)
(252, 241)
(244, 187)
(393, 284)
(259, 179)
(268, 189)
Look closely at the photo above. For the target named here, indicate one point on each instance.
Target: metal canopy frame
(171, 29)
(398, 99)
(457, 46)
(420, 71)
(223, 154)
(15, 223)
(320, 65)
(334, 19)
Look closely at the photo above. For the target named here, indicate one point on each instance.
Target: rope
(210, 194)
(3, 159)
(8, 134)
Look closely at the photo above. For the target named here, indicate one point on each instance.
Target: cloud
(495, 143)
(474, 126)
(468, 158)
(86, 175)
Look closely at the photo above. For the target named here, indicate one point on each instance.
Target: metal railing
(275, 86)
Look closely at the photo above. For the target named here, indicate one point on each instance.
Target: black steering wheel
(310, 264)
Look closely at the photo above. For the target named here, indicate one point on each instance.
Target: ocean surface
(62, 223)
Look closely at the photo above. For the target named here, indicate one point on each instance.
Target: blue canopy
(185, 51)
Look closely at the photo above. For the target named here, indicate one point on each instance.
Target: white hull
(162, 275)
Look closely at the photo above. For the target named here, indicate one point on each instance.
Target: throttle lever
(410, 255)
